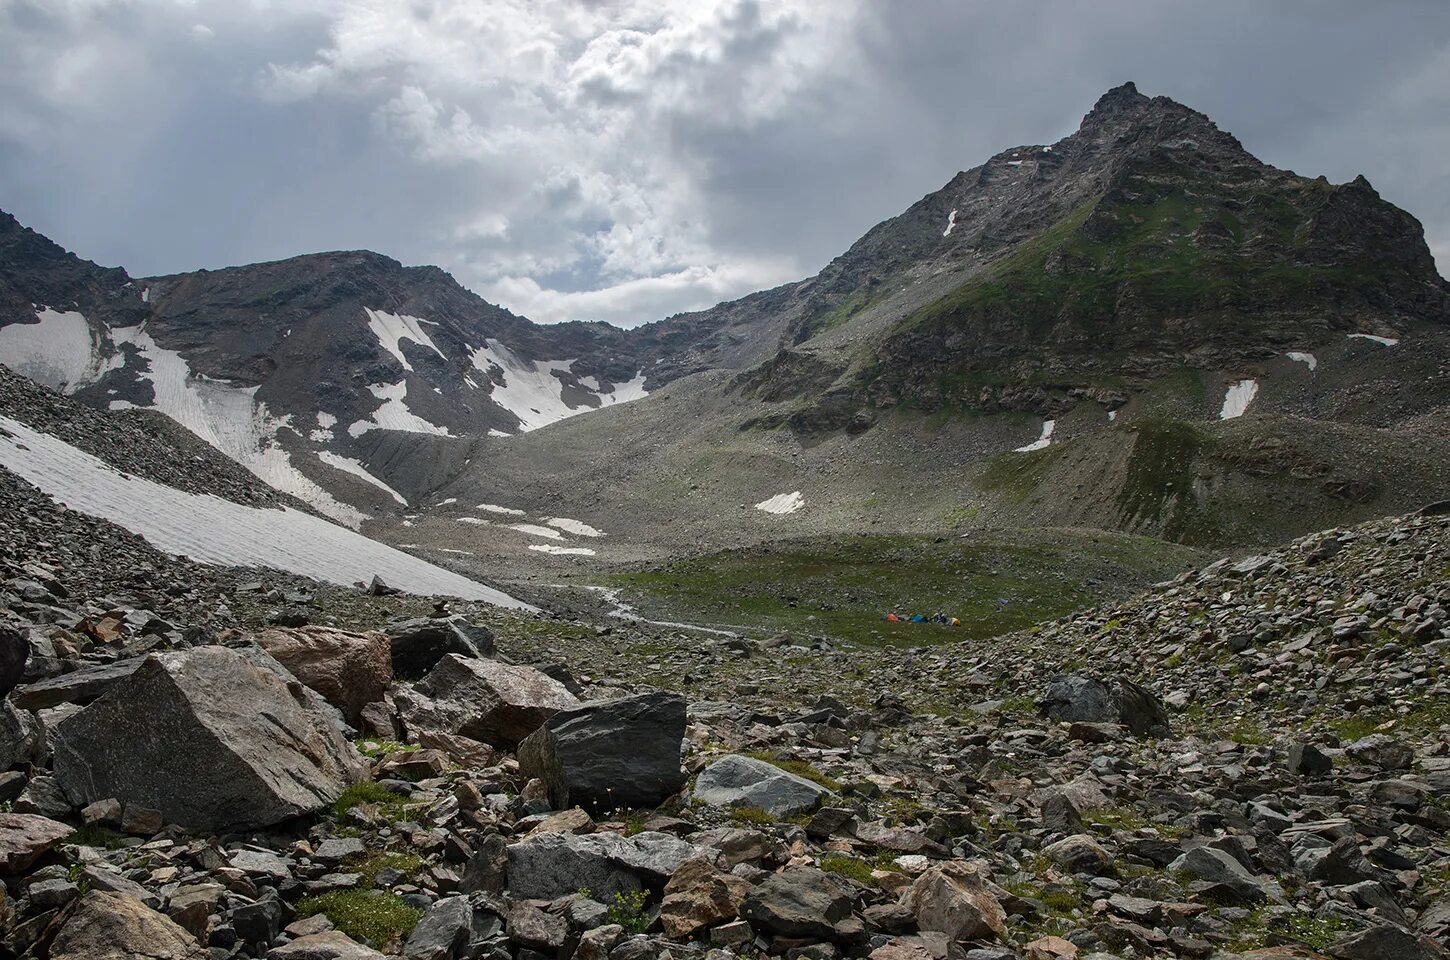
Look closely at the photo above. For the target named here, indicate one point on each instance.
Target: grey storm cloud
(623, 160)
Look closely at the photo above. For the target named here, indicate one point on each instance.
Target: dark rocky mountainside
(1146, 243)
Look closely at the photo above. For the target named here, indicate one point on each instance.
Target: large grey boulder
(496, 703)
(610, 754)
(799, 902)
(444, 931)
(554, 865)
(1227, 875)
(113, 926)
(418, 644)
(736, 781)
(14, 651)
(209, 738)
(1076, 697)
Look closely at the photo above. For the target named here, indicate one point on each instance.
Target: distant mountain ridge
(1146, 265)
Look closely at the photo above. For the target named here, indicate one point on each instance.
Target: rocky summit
(1061, 574)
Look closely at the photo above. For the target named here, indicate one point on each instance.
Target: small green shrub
(848, 867)
(369, 865)
(754, 816)
(390, 805)
(370, 914)
(628, 910)
(94, 835)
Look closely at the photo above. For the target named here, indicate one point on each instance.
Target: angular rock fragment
(496, 703)
(349, 670)
(210, 740)
(739, 781)
(611, 754)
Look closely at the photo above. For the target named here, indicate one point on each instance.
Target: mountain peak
(1123, 97)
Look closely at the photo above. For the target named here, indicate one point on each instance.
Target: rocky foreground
(1251, 761)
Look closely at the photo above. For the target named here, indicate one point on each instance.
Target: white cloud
(571, 111)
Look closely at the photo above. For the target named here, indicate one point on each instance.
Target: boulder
(553, 865)
(416, 646)
(497, 703)
(1387, 943)
(211, 740)
(1076, 697)
(444, 931)
(1216, 867)
(952, 898)
(737, 781)
(22, 738)
(700, 896)
(349, 670)
(799, 902)
(1079, 853)
(82, 686)
(14, 651)
(329, 945)
(25, 837)
(611, 754)
(113, 926)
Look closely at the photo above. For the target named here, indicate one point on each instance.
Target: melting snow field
(951, 224)
(1382, 341)
(558, 551)
(495, 508)
(394, 413)
(534, 530)
(60, 351)
(390, 328)
(531, 391)
(1042, 442)
(782, 503)
(1305, 358)
(355, 467)
(575, 527)
(213, 530)
(1236, 401)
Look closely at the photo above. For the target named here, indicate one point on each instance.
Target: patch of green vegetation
(1261, 928)
(628, 910)
(364, 914)
(843, 586)
(1016, 476)
(1114, 818)
(1159, 486)
(369, 865)
(390, 806)
(95, 835)
(800, 768)
(962, 516)
(848, 867)
(753, 816)
(379, 749)
(1423, 715)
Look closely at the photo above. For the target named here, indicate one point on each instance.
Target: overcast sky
(622, 161)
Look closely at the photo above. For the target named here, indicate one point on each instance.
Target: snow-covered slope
(214, 530)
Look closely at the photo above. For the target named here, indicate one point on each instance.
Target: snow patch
(575, 527)
(1043, 441)
(1305, 358)
(1382, 341)
(476, 521)
(534, 530)
(782, 503)
(146, 295)
(1236, 401)
(61, 350)
(951, 224)
(1112, 416)
(323, 433)
(394, 413)
(213, 530)
(532, 391)
(495, 508)
(559, 551)
(230, 419)
(444, 503)
(391, 328)
(356, 468)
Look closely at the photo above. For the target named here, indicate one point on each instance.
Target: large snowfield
(213, 530)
